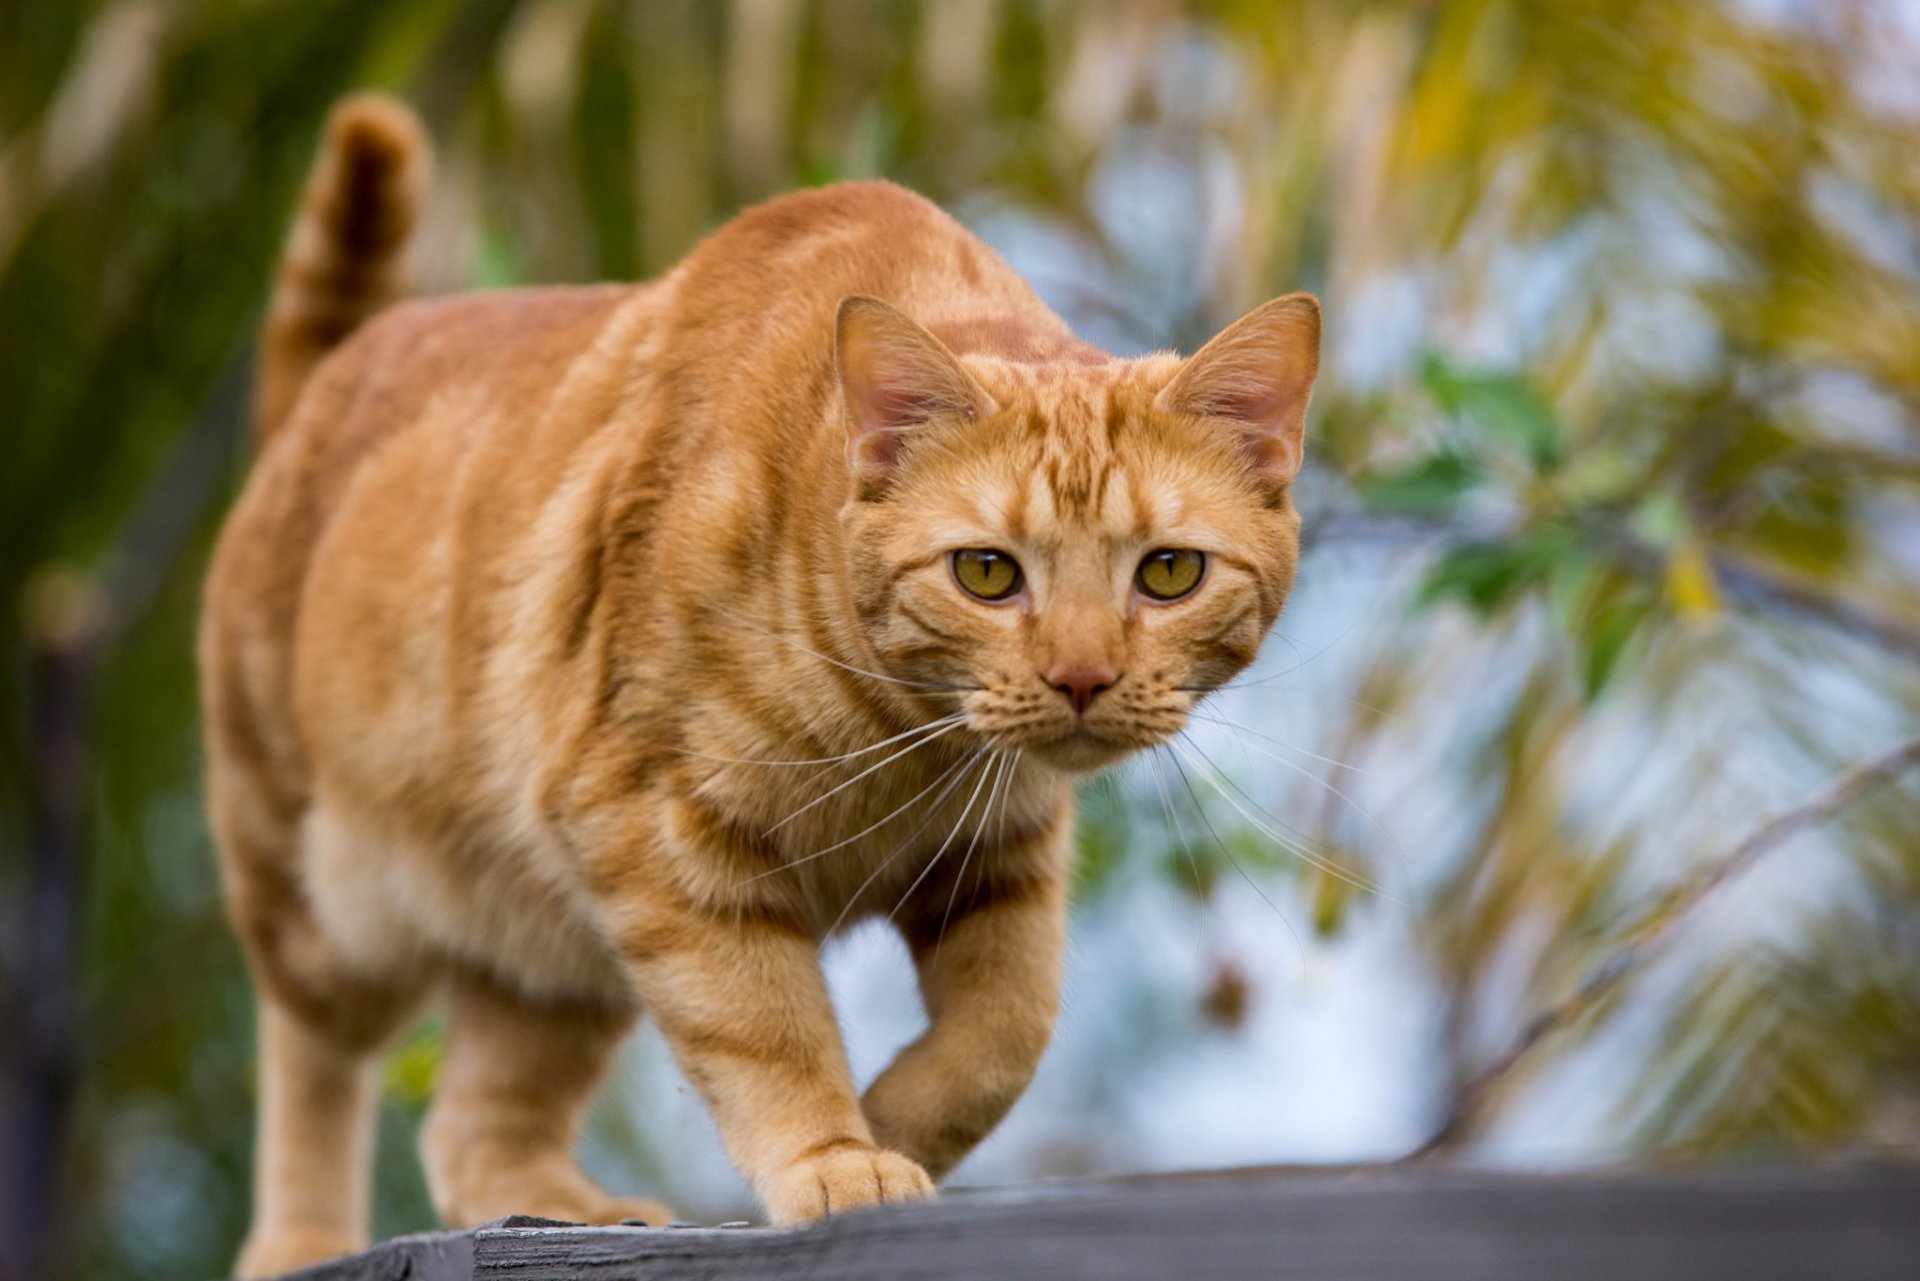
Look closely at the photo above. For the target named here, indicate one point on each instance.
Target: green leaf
(1486, 575)
(1431, 486)
(1660, 519)
(1606, 640)
(1573, 582)
(1503, 405)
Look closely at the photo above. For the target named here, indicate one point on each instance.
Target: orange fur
(528, 587)
(343, 261)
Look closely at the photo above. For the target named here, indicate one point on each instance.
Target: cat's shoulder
(868, 200)
(870, 211)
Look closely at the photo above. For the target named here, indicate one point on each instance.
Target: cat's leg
(743, 1004)
(990, 978)
(323, 1024)
(513, 1086)
(313, 1153)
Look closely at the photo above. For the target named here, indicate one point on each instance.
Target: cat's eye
(989, 575)
(1171, 573)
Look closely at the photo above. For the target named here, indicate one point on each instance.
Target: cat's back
(504, 349)
(371, 459)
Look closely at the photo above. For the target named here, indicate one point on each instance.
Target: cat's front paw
(844, 1178)
(270, 1253)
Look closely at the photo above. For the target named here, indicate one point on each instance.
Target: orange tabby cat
(578, 650)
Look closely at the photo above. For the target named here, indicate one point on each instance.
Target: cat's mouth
(1073, 742)
(1082, 750)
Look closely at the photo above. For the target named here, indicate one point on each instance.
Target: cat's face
(1071, 555)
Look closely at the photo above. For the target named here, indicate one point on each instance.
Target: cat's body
(533, 602)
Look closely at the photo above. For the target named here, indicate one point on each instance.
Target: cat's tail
(343, 259)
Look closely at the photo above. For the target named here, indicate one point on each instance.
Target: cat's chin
(1083, 752)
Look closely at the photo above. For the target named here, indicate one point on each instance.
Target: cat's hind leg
(314, 1151)
(323, 1025)
(513, 1086)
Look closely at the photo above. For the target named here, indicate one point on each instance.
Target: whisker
(829, 760)
(999, 833)
(1293, 645)
(994, 767)
(871, 827)
(1295, 838)
(1200, 894)
(859, 671)
(1311, 777)
(1000, 840)
(1298, 850)
(933, 811)
(1000, 828)
(1234, 682)
(1238, 867)
(1344, 632)
(1240, 727)
(828, 795)
(1179, 832)
(1298, 835)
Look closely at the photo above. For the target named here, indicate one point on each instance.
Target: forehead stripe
(1017, 509)
(1142, 505)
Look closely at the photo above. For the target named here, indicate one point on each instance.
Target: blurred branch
(176, 502)
(42, 1064)
(1647, 935)
(1755, 590)
(73, 623)
(1761, 592)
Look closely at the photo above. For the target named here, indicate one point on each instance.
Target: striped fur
(343, 259)
(533, 601)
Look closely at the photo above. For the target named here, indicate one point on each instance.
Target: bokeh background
(1613, 501)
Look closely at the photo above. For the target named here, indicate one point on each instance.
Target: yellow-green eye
(990, 575)
(1169, 574)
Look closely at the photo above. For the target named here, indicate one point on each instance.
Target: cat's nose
(1081, 685)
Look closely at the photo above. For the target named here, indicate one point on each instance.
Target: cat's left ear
(894, 377)
(1257, 374)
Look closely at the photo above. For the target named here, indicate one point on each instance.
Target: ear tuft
(1257, 375)
(895, 377)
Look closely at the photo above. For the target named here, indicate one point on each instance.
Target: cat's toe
(845, 1178)
(269, 1254)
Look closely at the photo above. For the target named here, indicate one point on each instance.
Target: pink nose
(1081, 685)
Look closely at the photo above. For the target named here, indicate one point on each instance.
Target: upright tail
(343, 259)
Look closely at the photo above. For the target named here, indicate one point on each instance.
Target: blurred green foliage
(1623, 364)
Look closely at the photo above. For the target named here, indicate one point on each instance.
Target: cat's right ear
(1255, 376)
(894, 377)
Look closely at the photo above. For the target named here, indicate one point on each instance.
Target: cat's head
(1072, 553)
